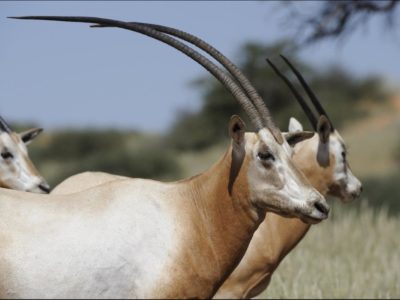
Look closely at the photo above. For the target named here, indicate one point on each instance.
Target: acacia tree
(332, 19)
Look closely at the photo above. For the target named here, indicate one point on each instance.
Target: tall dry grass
(353, 254)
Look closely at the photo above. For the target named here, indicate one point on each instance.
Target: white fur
(119, 252)
(342, 172)
(294, 125)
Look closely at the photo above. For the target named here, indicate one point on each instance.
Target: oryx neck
(223, 189)
(224, 220)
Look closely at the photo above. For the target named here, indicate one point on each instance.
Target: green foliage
(71, 145)
(383, 191)
(65, 153)
(197, 131)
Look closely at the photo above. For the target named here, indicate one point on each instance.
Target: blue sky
(68, 75)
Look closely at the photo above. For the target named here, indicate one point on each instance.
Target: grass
(354, 254)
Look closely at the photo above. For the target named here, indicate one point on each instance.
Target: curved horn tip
(19, 18)
(283, 56)
(269, 62)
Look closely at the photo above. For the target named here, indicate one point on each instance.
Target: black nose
(44, 187)
(323, 208)
(357, 194)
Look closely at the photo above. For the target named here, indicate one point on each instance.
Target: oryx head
(274, 181)
(322, 158)
(17, 171)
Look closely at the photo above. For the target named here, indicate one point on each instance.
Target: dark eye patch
(265, 155)
(6, 155)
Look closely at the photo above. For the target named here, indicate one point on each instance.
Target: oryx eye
(344, 155)
(6, 155)
(265, 155)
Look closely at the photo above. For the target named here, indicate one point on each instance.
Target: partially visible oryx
(17, 171)
(323, 160)
(148, 239)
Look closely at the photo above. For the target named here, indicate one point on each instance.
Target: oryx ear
(295, 125)
(236, 129)
(295, 137)
(28, 135)
(324, 129)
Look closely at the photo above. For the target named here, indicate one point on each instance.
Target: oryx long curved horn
(206, 63)
(309, 92)
(310, 115)
(227, 63)
(4, 126)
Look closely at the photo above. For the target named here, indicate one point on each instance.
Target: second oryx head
(17, 171)
(326, 151)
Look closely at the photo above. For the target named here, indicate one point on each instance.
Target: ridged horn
(226, 80)
(310, 115)
(309, 92)
(229, 65)
(4, 126)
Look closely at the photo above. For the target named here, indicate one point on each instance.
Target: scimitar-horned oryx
(323, 160)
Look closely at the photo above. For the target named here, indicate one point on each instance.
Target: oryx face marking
(276, 178)
(16, 169)
(326, 165)
(344, 184)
